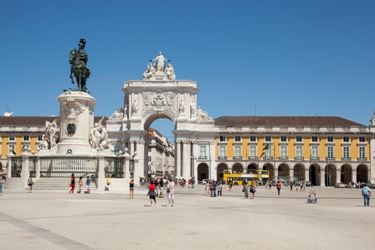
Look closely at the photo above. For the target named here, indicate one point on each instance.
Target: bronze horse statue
(78, 70)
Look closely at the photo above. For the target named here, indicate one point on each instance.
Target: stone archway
(160, 95)
(269, 167)
(237, 168)
(283, 172)
(362, 173)
(314, 174)
(203, 172)
(346, 173)
(220, 171)
(252, 167)
(330, 178)
(299, 172)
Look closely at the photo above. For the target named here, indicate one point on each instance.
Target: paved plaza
(58, 220)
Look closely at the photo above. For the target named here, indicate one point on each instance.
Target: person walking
(245, 189)
(72, 183)
(1, 186)
(214, 187)
(152, 193)
(131, 187)
(230, 186)
(108, 180)
(170, 191)
(30, 184)
(207, 189)
(291, 185)
(88, 183)
(366, 193)
(252, 191)
(220, 189)
(278, 186)
(80, 183)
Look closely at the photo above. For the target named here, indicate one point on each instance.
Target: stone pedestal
(76, 119)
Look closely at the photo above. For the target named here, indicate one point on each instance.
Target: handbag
(152, 193)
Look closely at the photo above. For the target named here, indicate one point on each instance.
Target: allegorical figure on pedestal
(78, 65)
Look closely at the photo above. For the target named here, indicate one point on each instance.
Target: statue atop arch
(157, 70)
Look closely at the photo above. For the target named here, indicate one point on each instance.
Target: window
(283, 139)
(40, 137)
(314, 139)
(298, 152)
(222, 151)
(283, 154)
(362, 139)
(314, 153)
(11, 148)
(346, 153)
(222, 138)
(237, 138)
(149, 158)
(116, 149)
(299, 138)
(253, 138)
(253, 151)
(330, 138)
(268, 152)
(202, 152)
(237, 151)
(11, 138)
(26, 138)
(330, 153)
(268, 138)
(346, 139)
(362, 153)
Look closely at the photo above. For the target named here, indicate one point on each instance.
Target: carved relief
(72, 110)
(159, 101)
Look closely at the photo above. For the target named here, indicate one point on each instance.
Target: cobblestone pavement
(58, 220)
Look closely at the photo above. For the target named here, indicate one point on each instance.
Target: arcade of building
(321, 149)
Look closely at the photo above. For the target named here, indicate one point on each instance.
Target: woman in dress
(131, 187)
(80, 185)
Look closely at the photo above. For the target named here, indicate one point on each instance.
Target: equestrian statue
(78, 65)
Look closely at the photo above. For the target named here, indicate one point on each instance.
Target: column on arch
(140, 146)
(323, 176)
(186, 159)
(177, 166)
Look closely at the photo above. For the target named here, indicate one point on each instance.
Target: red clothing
(278, 185)
(151, 187)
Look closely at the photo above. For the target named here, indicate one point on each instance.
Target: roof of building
(34, 120)
(290, 121)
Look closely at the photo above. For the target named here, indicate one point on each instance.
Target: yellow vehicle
(238, 179)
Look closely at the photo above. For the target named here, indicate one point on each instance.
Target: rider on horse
(82, 66)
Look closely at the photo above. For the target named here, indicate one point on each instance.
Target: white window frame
(329, 139)
(330, 152)
(268, 137)
(268, 152)
(362, 152)
(299, 151)
(299, 139)
(314, 152)
(253, 151)
(283, 151)
(253, 137)
(222, 151)
(222, 137)
(346, 139)
(237, 151)
(237, 137)
(202, 152)
(362, 139)
(346, 152)
(314, 137)
(282, 137)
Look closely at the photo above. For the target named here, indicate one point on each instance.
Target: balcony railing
(314, 158)
(330, 158)
(346, 158)
(253, 158)
(268, 157)
(299, 158)
(237, 157)
(222, 157)
(202, 157)
(283, 157)
(362, 159)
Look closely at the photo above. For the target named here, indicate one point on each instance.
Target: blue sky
(287, 58)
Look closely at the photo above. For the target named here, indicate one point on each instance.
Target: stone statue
(78, 65)
(170, 72)
(50, 132)
(181, 109)
(160, 62)
(98, 136)
(373, 120)
(118, 114)
(150, 72)
(135, 107)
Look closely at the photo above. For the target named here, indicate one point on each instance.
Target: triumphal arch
(161, 95)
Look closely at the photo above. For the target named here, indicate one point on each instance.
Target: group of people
(249, 189)
(153, 190)
(298, 185)
(80, 183)
(212, 187)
